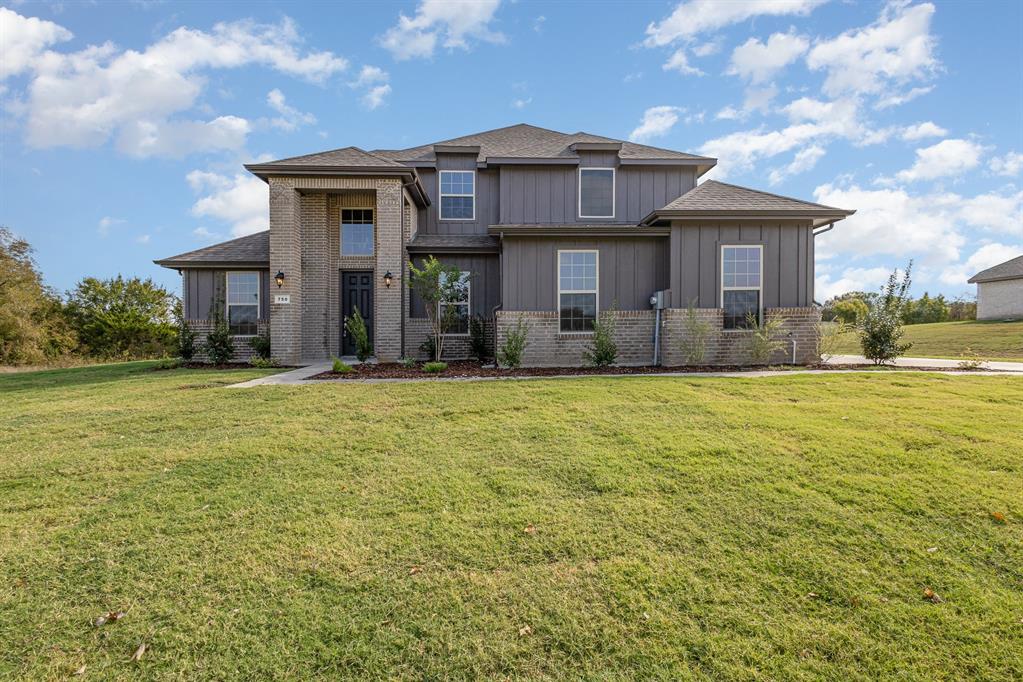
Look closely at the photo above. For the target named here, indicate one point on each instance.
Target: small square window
(457, 195)
(596, 193)
(356, 232)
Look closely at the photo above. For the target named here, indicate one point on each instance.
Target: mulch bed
(467, 369)
(229, 365)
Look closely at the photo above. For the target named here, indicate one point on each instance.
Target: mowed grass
(648, 528)
(991, 340)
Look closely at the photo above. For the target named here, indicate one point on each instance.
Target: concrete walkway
(926, 362)
(299, 376)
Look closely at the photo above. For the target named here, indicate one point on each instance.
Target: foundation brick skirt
(634, 334)
(242, 348)
(417, 331)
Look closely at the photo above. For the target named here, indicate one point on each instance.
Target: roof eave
(978, 279)
(819, 217)
(577, 231)
(265, 171)
(172, 264)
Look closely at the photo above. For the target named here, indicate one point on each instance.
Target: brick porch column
(390, 257)
(286, 256)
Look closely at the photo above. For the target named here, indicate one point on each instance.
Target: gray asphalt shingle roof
(1010, 269)
(248, 250)
(711, 196)
(453, 242)
(346, 156)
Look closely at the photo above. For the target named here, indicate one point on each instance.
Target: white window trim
(341, 232)
(468, 304)
(227, 298)
(595, 291)
(442, 194)
(760, 278)
(579, 191)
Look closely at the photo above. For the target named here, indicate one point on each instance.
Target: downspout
(827, 227)
(401, 271)
(657, 337)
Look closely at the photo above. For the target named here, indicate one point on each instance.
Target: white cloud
(538, 23)
(804, 160)
(730, 113)
(851, 279)
(1010, 164)
(375, 96)
(374, 79)
(894, 50)
(983, 258)
(452, 22)
(707, 49)
(895, 99)
(993, 212)
(757, 62)
(921, 130)
(24, 39)
(82, 99)
(106, 222)
(679, 62)
(290, 118)
(241, 200)
(691, 18)
(142, 239)
(657, 121)
(370, 75)
(948, 157)
(521, 102)
(205, 235)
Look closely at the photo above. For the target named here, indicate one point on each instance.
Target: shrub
(829, 335)
(695, 333)
(123, 318)
(762, 341)
(341, 367)
(168, 363)
(477, 338)
(510, 354)
(408, 363)
(603, 351)
(186, 341)
(881, 329)
(219, 343)
(356, 326)
(261, 344)
(263, 363)
(969, 359)
(435, 367)
(428, 347)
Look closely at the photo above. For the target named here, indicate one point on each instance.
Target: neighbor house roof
(719, 199)
(1010, 269)
(250, 250)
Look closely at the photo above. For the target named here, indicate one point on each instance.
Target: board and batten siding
(485, 283)
(788, 255)
(549, 194)
(202, 287)
(487, 197)
(629, 271)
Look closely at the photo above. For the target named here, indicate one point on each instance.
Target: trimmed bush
(341, 367)
(219, 343)
(510, 354)
(477, 338)
(261, 344)
(603, 351)
(435, 367)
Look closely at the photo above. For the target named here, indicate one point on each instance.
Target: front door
(356, 292)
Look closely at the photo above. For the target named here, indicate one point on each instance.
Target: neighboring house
(551, 228)
(1000, 291)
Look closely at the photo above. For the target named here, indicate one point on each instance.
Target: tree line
(116, 319)
(854, 306)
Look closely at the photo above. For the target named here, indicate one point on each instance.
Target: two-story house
(547, 227)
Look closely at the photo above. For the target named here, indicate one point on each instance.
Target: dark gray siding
(487, 197)
(549, 194)
(629, 271)
(485, 289)
(202, 287)
(788, 261)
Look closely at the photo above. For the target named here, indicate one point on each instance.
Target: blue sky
(125, 124)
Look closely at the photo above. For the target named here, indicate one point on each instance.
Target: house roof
(453, 243)
(250, 250)
(1010, 269)
(346, 156)
(712, 198)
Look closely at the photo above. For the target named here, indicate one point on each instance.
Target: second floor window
(577, 290)
(356, 232)
(457, 195)
(596, 193)
(741, 286)
(243, 303)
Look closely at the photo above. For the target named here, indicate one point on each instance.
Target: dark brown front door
(356, 292)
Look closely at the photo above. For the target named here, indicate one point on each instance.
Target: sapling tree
(436, 283)
(881, 328)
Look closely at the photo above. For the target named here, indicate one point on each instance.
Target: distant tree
(32, 327)
(926, 309)
(962, 308)
(123, 318)
(849, 310)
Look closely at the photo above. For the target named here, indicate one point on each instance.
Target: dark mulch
(460, 369)
(229, 365)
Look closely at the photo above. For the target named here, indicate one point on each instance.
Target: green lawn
(738, 529)
(992, 340)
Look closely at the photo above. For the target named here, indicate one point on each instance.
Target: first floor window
(243, 303)
(577, 290)
(356, 232)
(741, 285)
(457, 195)
(455, 308)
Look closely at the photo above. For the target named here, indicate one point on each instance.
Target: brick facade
(634, 334)
(242, 348)
(417, 331)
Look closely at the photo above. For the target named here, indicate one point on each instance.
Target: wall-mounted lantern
(388, 278)
(279, 278)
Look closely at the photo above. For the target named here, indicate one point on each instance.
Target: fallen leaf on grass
(108, 618)
(999, 517)
(531, 529)
(415, 570)
(932, 596)
(137, 656)
(932, 549)
(80, 671)
(525, 630)
(812, 595)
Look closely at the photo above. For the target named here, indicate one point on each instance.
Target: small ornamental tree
(881, 329)
(356, 326)
(435, 283)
